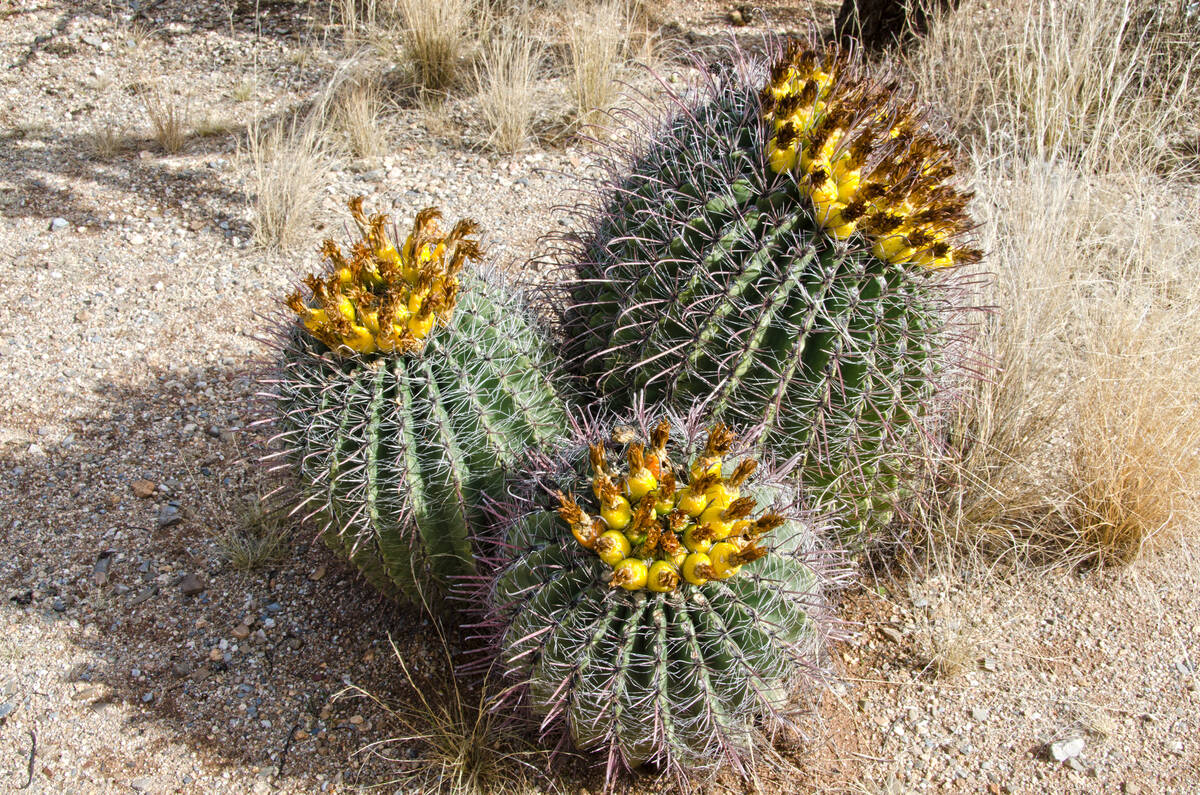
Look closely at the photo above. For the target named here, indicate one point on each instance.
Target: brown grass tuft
(288, 163)
(358, 113)
(258, 538)
(463, 743)
(506, 76)
(1083, 444)
(602, 42)
(436, 39)
(169, 117)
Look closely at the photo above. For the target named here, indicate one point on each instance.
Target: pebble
(241, 632)
(191, 584)
(143, 488)
(169, 515)
(1062, 750)
(980, 714)
(58, 224)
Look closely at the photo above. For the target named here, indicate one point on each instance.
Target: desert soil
(133, 656)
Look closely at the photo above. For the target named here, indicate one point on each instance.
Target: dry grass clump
(357, 114)
(436, 36)
(452, 740)
(257, 538)
(1107, 83)
(601, 46)
(288, 165)
(507, 74)
(106, 139)
(1084, 443)
(169, 117)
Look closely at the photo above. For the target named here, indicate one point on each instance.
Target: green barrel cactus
(409, 384)
(785, 248)
(660, 596)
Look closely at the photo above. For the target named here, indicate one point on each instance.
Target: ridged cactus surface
(779, 249)
(398, 419)
(645, 640)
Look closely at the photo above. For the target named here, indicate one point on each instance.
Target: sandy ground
(127, 337)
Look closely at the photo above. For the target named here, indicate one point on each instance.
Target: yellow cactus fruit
(697, 568)
(860, 154)
(630, 574)
(613, 547)
(663, 577)
(647, 526)
(724, 559)
(383, 300)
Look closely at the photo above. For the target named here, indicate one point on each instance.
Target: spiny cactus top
(865, 164)
(784, 245)
(408, 387)
(383, 298)
(657, 533)
(659, 651)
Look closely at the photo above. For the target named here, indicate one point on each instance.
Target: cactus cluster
(780, 251)
(397, 430)
(678, 676)
(777, 258)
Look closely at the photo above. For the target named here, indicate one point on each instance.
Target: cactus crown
(383, 298)
(660, 534)
(863, 159)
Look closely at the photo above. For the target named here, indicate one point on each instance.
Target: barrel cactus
(408, 380)
(662, 595)
(786, 248)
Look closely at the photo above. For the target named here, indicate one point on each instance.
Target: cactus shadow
(111, 576)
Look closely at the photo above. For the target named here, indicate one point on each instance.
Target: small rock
(169, 515)
(356, 720)
(36, 451)
(318, 573)
(147, 698)
(891, 633)
(241, 632)
(181, 668)
(145, 594)
(6, 709)
(143, 488)
(214, 654)
(143, 784)
(93, 693)
(58, 224)
(1062, 750)
(191, 584)
(979, 714)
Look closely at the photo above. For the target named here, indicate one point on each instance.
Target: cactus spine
(671, 670)
(411, 381)
(780, 252)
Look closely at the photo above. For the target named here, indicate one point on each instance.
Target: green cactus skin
(394, 454)
(675, 680)
(700, 275)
